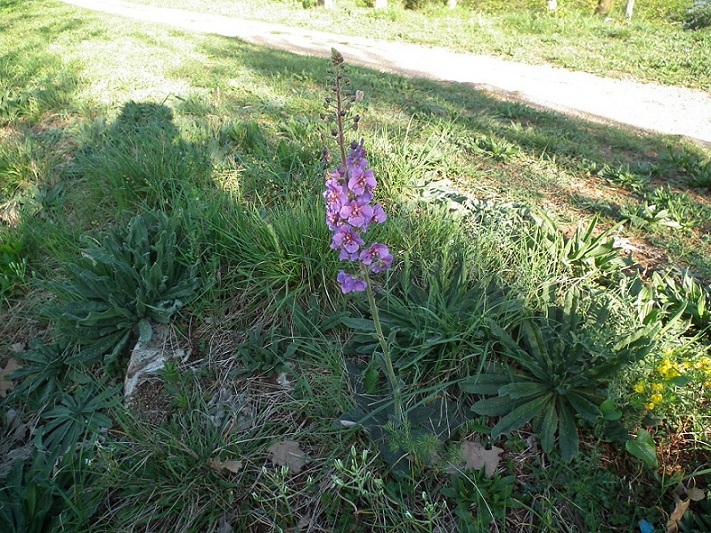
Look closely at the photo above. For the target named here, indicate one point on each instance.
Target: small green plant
(13, 267)
(76, 415)
(496, 148)
(42, 373)
(480, 501)
(643, 448)
(27, 499)
(561, 372)
(266, 352)
(621, 176)
(355, 480)
(584, 254)
(678, 205)
(674, 292)
(696, 166)
(119, 285)
(625, 178)
(649, 216)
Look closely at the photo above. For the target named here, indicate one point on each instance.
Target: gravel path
(644, 106)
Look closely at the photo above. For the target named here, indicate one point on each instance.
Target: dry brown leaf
(5, 384)
(288, 453)
(677, 515)
(233, 466)
(477, 457)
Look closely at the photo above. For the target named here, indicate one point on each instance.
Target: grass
(223, 138)
(653, 48)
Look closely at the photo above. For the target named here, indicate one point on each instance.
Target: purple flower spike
(378, 257)
(349, 213)
(349, 283)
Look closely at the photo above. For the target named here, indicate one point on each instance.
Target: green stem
(389, 369)
(339, 117)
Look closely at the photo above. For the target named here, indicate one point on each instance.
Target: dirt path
(644, 106)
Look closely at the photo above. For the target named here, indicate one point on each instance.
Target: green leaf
(519, 416)
(643, 448)
(534, 337)
(371, 377)
(523, 389)
(609, 410)
(145, 331)
(484, 384)
(549, 427)
(583, 406)
(567, 432)
(681, 381)
(359, 324)
(498, 406)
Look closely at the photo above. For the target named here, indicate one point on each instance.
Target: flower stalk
(350, 212)
(387, 362)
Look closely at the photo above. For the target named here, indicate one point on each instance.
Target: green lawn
(546, 313)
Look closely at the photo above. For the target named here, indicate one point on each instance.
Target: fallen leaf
(17, 347)
(288, 453)
(5, 384)
(677, 515)
(695, 494)
(233, 466)
(477, 457)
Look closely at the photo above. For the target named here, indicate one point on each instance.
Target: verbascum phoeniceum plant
(350, 211)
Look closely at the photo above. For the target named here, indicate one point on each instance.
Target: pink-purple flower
(349, 213)
(349, 283)
(377, 257)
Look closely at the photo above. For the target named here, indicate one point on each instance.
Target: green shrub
(561, 368)
(699, 16)
(130, 277)
(41, 375)
(76, 416)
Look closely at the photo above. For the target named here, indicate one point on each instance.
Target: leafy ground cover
(655, 47)
(546, 311)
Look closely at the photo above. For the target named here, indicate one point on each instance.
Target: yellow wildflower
(656, 398)
(649, 406)
(668, 369)
(639, 388)
(657, 387)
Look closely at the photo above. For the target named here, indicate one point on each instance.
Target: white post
(630, 8)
